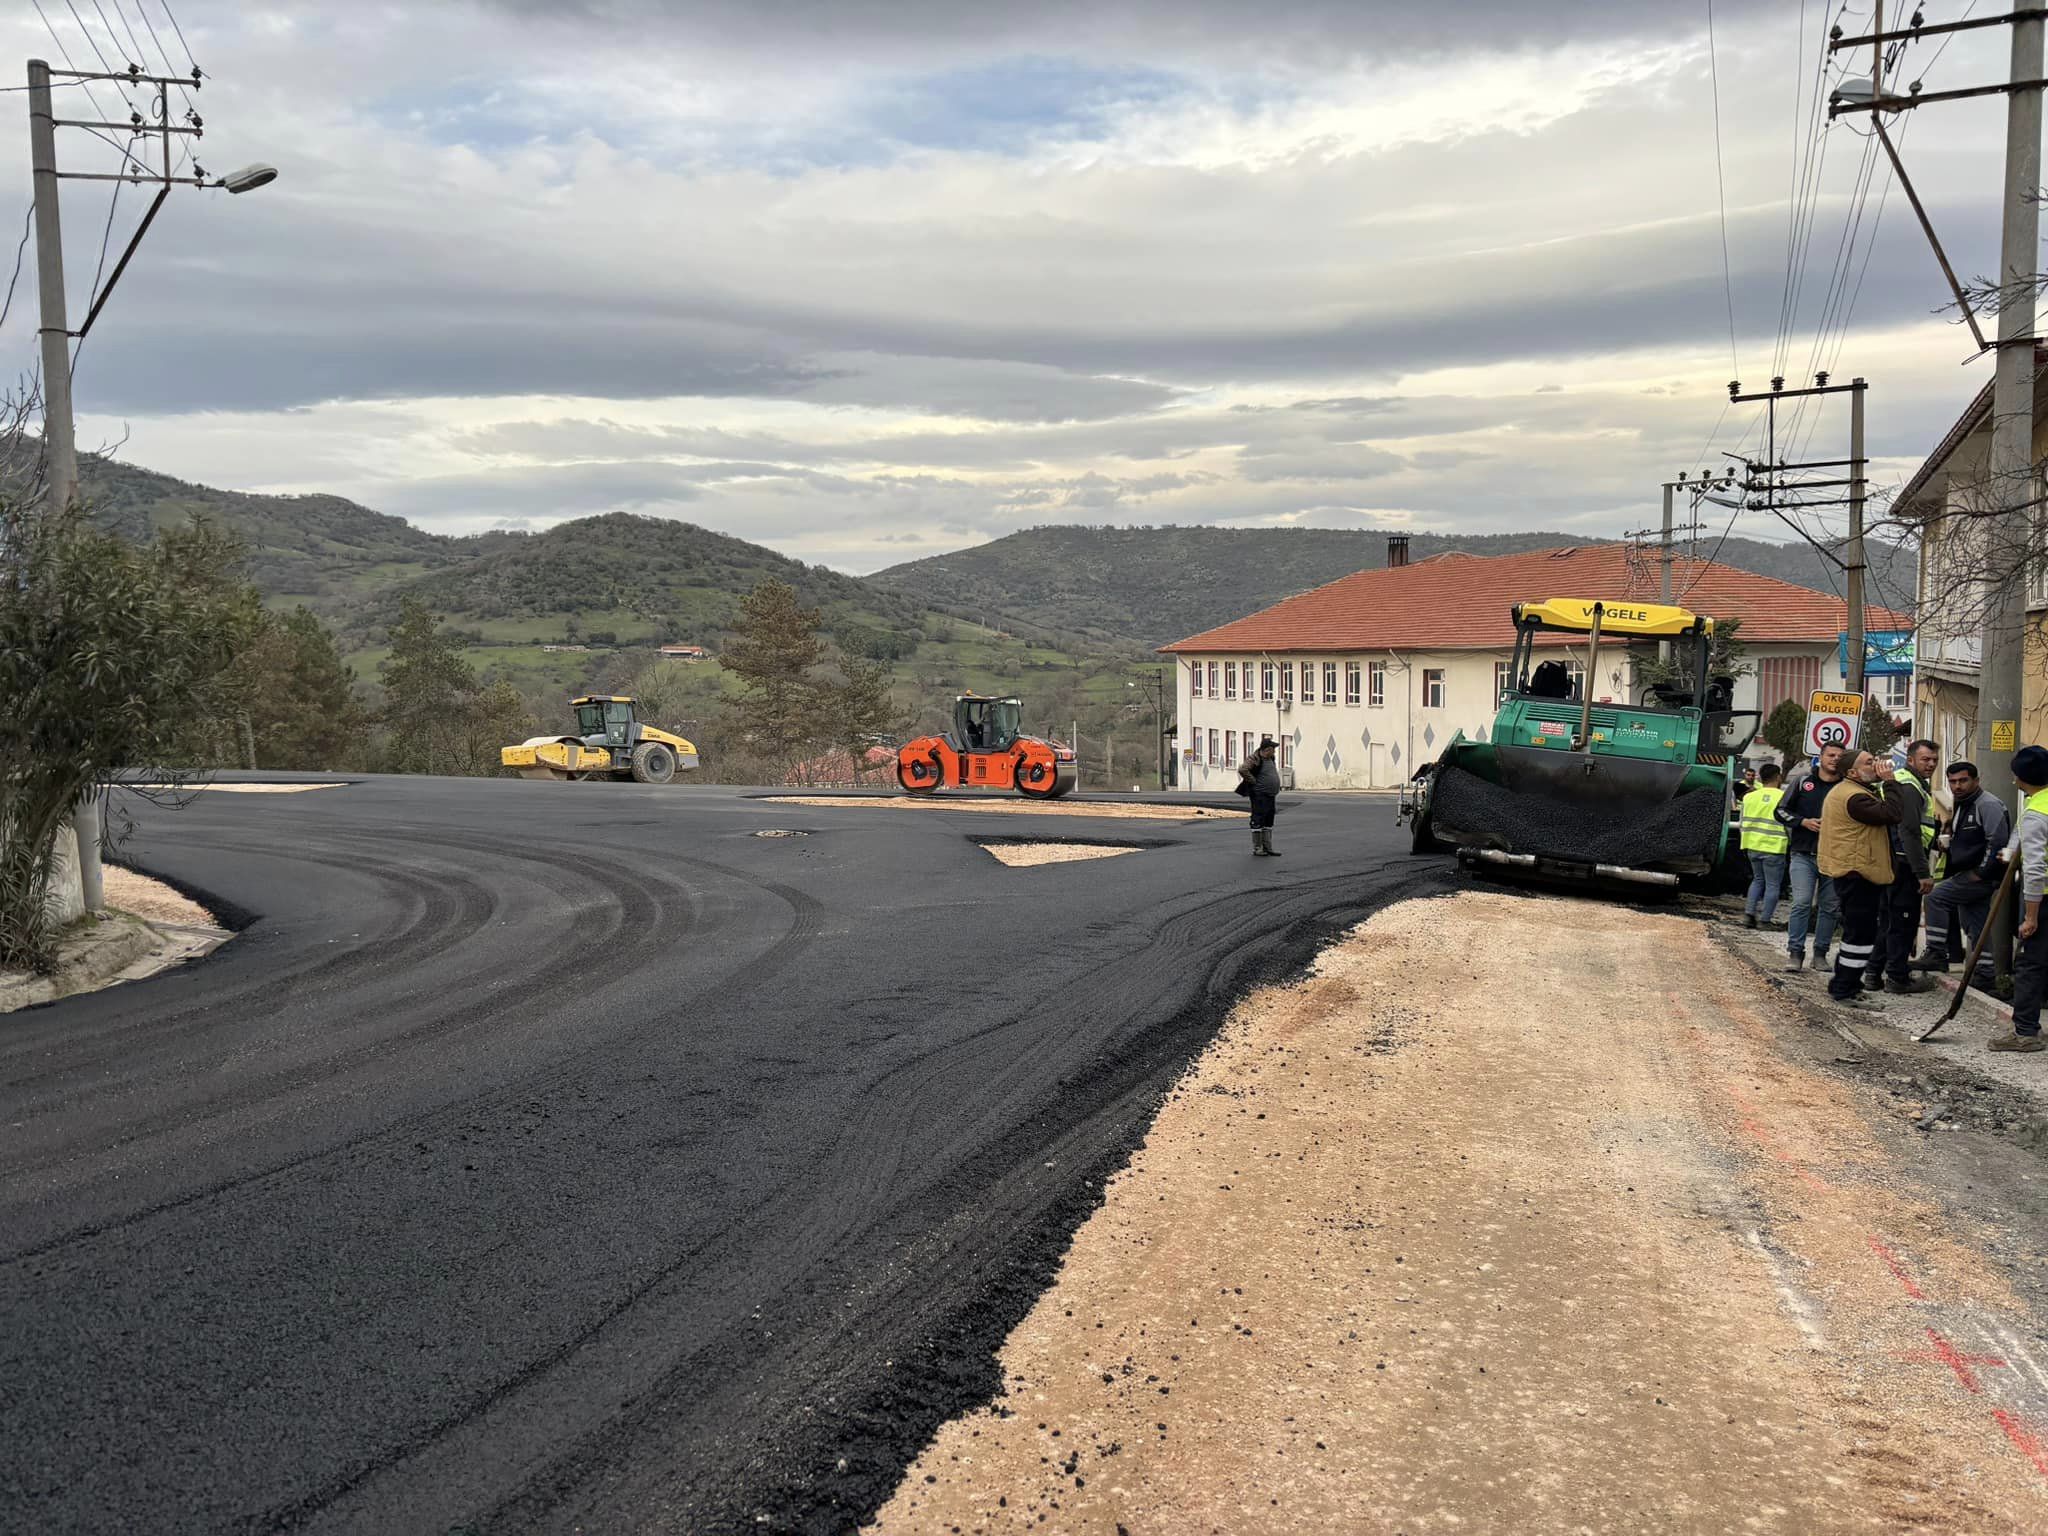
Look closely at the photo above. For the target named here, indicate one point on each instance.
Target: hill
(324, 551)
(1155, 585)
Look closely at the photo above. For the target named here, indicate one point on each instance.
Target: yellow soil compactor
(615, 744)
(1574, 790)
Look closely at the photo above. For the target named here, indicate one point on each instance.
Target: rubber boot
(1266, 836)
(1258, 842)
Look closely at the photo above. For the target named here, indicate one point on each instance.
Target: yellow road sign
(1833, 720)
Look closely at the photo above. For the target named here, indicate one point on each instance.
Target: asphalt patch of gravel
(152, 900)
(1028, 855)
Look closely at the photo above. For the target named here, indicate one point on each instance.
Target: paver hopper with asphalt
(615, 744)
(1570, 788)
(986, 749)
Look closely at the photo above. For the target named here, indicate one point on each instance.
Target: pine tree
(780, 711)
(296, 705)
(1880, 733)
(862, 707)
(427, 691)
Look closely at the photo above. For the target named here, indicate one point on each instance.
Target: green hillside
(1155, 585)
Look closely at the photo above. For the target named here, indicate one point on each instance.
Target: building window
(1229, 747)
(1230, 679)
(1895, 689)
(1330, 684)
(1286, 679)
(1286, 754)
(1215, 748)
(1503, 678)
(1432, 687)
(1195, 681)
(1265, 681)
(1377, 676)
(1352, 673)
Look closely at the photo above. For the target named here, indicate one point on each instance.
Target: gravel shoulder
(1521, 1213)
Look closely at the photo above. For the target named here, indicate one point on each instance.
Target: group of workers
(1865, 846)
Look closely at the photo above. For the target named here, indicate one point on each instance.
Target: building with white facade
(1363, 680)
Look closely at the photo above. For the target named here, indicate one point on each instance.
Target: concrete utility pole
(60, 451)
(1999, 677)
(1852, 547)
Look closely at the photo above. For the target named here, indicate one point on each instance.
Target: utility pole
(1773, 486)
(60, 445)
(1852, 548)
(1999, 677)
(2000, 681)
(60, 450)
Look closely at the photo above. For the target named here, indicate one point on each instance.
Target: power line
(8, 302)
(1721, 188)
(172, 18)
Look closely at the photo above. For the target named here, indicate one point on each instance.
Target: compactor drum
(1569, 788)
(986, 749)
(615, 744)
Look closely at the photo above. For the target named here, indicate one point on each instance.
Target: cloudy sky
(870, 279)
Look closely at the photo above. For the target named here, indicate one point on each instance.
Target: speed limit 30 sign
(1833, 720)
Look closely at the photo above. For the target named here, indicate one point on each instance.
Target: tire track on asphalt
(804, 926)
(1093, 1116)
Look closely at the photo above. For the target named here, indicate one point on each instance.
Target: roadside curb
(87, 958)
(119, 948)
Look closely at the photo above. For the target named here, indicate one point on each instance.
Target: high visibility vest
(1930, 822)
(1762, 832)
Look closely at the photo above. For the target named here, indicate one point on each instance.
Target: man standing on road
(1912, 842)
(2030, 955)
(1978, 830)
(1261, 774)
(1855, 851)
(1814, 905)
(1764, 840)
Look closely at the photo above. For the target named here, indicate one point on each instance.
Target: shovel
(1955, 1004)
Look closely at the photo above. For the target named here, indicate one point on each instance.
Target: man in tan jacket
(1856, 853)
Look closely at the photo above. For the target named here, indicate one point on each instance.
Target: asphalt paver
(580, 1157)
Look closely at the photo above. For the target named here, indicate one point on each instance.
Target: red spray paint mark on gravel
(1891, 1262)
(1947, 1354)
(2024, 1440)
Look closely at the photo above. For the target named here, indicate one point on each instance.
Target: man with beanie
(1261, 775)
(1814, 906)
(2030, 955)
(1855, 851)
(1912, 843)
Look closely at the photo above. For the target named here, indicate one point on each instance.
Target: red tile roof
(1461, 602)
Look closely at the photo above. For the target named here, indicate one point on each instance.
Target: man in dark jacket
(1979, 829)
(1912, 842)
(1814, 906)
(1261, 774)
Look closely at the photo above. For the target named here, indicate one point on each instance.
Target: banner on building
(1886, 652)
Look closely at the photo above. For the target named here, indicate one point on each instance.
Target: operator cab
(987, 725)
(605, 721)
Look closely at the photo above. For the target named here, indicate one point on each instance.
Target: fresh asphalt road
(570, 1157)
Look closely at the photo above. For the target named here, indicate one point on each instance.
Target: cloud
(845, 275)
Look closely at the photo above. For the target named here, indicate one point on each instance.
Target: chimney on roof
(1397, 550)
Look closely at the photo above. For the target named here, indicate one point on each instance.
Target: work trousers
(1815, 907)
(1962, 897)
(1263, 808)
(1766, 882)
(1862, 909)
(2029, 982)
(1899, 925)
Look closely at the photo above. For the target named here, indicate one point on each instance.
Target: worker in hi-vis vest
(1765, 842)
(2030, 955)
